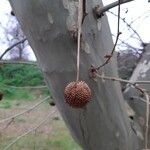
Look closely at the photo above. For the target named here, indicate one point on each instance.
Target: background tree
(18, 52)
(13, 35)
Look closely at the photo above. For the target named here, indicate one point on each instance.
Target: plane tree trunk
(49, 26)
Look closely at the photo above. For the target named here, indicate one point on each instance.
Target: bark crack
(84, 10)
(84, 130)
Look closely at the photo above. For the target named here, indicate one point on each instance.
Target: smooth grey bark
(103, 123)
(132, 95)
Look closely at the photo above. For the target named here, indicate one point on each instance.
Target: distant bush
(19, 75)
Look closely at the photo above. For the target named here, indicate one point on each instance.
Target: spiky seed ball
(77, 94)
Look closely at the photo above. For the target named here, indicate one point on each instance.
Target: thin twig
(147, 119)
(135, 83)
(139, 17)
(122, 80)
(28, 110)
(128, 46)
(128, 25)
(112, 5)
(108, 58)
(80, 16)
(7, 125)
(11, 47)
(31, 130)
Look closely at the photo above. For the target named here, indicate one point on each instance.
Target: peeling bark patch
(99, 24)
(141, 70)
(72, 7)
(117, 134)
(141, 121)
(85, 47)
(65, 3)
(50, 18)
(145, 66)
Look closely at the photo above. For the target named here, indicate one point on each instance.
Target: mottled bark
(103, 123)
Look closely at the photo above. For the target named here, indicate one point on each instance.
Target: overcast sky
(135, 9)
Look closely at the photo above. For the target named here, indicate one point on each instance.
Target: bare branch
(128, 45)
(141, 16)
(128, 26)
(7, 125)
(93, 73)
(108, 57)
(28, 110)
(11, 47)
(122, 80)
(31, 130)
(112, 5)
(147, 119)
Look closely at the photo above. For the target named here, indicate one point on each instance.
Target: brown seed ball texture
(77, 94)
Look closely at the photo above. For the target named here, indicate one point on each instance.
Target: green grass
(19, 75)
(58, 139)
(5, 104)
(20, 120)
(11, 93)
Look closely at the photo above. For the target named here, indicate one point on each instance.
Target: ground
(52, 135)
